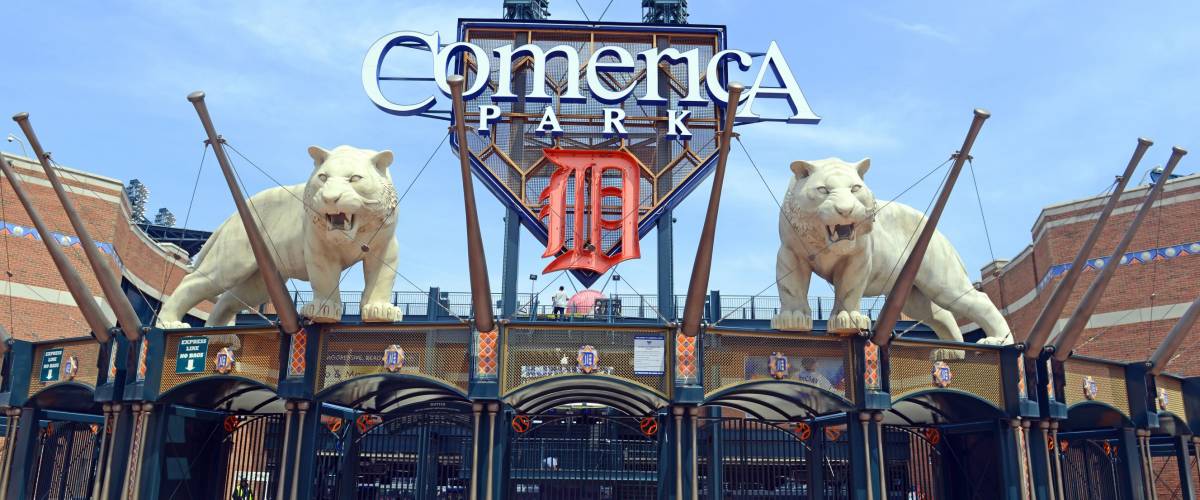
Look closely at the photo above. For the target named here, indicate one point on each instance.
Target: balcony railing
(612, 308)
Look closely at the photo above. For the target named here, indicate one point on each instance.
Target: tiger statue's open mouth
(340, 221)
(839, 232)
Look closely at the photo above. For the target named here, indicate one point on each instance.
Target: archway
(585, 450)
(67, 452)
(394, 435)
(943, 443)
(218, 434)
(1090, 445)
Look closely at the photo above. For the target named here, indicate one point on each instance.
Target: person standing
(242, 491)
(560, 303)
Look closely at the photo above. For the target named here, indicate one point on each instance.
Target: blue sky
(1070, 89)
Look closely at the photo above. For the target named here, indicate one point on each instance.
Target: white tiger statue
(350, 217)
(830, 224)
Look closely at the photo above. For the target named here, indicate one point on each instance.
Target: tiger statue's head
(829, 204)
(350, 189)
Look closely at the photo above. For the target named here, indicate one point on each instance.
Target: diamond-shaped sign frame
(509, 161)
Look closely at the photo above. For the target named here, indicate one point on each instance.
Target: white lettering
(712, 77)
(374, 59)
(482, 66)
(654, 57)
(488, 113)
(789, 90)
(675, 125)
(549, 119)
(596, 67)
(506, 54)
(603, 87)
(614, 119)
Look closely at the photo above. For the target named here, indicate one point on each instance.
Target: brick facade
(1143, 299)
(34, 302)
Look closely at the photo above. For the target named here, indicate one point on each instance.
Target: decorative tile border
(1131, 258)
(65, 240)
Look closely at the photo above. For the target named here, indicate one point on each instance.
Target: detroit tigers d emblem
(942, 374)
(224, 361)
(588, 359)
(778, 365)
(71, 367)
(602, 235)
(393, 358)
(1090, 388)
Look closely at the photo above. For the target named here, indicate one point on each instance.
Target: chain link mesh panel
(436, 351)
(534, 353)
(255, 354)
(977, 373)
(1109, 378)
(732, 357)
(47, 371)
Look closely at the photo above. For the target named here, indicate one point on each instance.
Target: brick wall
(34, 304)
(1133, 314)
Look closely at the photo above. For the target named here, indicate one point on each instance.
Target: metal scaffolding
(664, 11)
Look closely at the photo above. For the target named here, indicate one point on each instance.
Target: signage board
(51, 365)
(649, 354)
(191, 355)
(655, 92)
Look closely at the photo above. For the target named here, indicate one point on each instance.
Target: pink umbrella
(583, 302)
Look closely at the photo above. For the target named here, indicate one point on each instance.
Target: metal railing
(613, 307)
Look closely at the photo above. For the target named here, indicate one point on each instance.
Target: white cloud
(921, 29)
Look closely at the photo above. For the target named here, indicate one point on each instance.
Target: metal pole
(481, 291)
(285, 309)
(1087, 305)
(1162, 356)
(79, 290)
(1036, 339)
(126, 317)
(693, 307)
(890, 313)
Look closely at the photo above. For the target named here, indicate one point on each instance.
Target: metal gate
(1091, 470)
(67, 455)
(584, 456)
(747, 458)
(417, 456)
(210, 458)
(915, 463)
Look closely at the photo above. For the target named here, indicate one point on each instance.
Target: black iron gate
(747, 459)
(584, 456)
(67, 455)
(914, 463)
(214, 458)
(417, 456)
(1092, 470)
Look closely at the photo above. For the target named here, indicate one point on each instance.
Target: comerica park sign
(645, 102)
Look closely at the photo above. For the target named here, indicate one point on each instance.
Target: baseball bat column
(481, 302)
(1043, 458)
(1162, 356)
(126, 317)
(101, 328)
(693, 307)
(481, 291)
(110, 285)
(21, 439)
(281, 300)
(1070, 333)
(890, 313)
(1036, 339)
